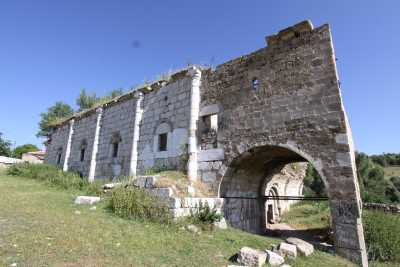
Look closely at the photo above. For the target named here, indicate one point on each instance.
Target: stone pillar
(69, 142)
(92, 168)
(194, 116)
(136, 134)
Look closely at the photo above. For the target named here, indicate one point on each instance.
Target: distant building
(6, 161)
(34, 157)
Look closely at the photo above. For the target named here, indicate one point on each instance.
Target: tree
(5, 147)
(55, 113)
(19, 150)
(85, 101)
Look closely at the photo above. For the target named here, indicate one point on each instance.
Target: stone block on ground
(288, 250)
(221, 224)
(110, 185)
(88, 200)
(145, 181)
(303, 248)
(251, 257)
(274, 259)
(193, 228)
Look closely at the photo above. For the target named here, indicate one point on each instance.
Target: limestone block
(208, 177)
(303, 248)
(145, 181)
(287, 250)
(221, 224)
(162, 193)
(274, 259)
(86, 200)
(211, 155)
(251, 257)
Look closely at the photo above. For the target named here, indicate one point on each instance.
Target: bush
(382, 235)
(205, 214)
(54, 176)
(136, 203)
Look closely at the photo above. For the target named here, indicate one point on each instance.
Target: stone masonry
(234, 127)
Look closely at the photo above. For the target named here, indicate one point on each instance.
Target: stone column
(92, 168)
(69, 142)
(136, 134)
(194, 116)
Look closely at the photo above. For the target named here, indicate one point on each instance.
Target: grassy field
(40, 226)
(392, 171)
(312, 215)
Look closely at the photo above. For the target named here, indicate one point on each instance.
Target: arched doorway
(243, 187)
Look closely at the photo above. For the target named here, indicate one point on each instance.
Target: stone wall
(58, 145)
(82, 138)
(166, 110)
(116, 126)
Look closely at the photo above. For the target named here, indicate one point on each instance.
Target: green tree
(19, 150)
(313, 184)
(54, 113)
(85, 101)
(5, 146)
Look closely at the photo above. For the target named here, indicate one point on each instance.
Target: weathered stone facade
(238, 124)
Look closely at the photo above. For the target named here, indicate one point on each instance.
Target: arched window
(115, 140)
(83, 149)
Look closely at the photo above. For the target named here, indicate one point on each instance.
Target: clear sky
(49, 50)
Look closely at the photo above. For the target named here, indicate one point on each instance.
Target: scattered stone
(110, 186)
(286, 265)
(287, 250)
(192, 228)
(303, 248)
(77, 212)
(237, 266)
(13, 264)
(274, 259)
(86, 200)
(93, 208)
(221, 224)
(251, 257)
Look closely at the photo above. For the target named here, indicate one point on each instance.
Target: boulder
(303, 248)
(145, 181)
(221, 224)
(110, 185)
(86, 200)
(286, 265)
(251, 257)
(192, 228)
(274, 259)
(287, 250)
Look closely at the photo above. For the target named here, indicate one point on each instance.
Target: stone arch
(243, 180)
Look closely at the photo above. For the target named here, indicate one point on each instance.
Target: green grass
(392, 171)
(39, 227)
(306, 215)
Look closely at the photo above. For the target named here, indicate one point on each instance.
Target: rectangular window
(82, 154)
(115, 150)
(59, 158)
(162, 142)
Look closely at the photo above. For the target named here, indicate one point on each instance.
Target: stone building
(235, 127)
(35, 157)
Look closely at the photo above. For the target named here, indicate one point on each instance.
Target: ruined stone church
(234, 128)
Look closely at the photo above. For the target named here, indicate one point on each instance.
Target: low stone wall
(179, 206)
(6, 161)
(383, 207)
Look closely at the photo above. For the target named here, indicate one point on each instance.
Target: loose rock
(287, 250)
(221, 224)
(192, 228)
(274, 259)
(303, 248)
(86, 200)
(251, 257)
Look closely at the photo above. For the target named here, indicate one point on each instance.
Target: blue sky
(49, 50)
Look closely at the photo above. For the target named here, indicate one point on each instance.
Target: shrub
(382, 235)
(136, 203)
(54, 176)
(205, 214)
